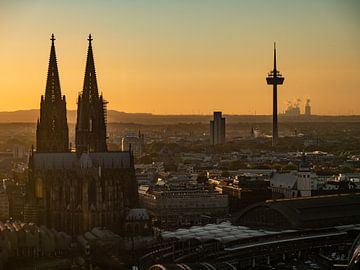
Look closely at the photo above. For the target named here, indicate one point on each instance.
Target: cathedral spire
(90, 88)
(52, 128)
(90, 132)
(52, 90)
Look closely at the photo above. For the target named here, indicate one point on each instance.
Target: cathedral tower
(52, 133)
(91, 114)
(71, 191)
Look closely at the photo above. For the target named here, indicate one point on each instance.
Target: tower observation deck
(275, 78)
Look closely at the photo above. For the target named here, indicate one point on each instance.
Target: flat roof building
(173, 206)
(217, 129)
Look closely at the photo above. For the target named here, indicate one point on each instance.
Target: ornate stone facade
(76, 191)
(91, 115)
(52, 129)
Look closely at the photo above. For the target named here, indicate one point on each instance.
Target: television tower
(275, 78)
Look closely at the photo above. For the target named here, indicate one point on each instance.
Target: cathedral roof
(53, 161)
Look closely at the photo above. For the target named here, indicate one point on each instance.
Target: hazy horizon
(210, 114)
(185, 57)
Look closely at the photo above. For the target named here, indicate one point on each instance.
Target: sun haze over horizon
(185, 57)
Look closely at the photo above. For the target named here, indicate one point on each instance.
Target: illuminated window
(39, 193)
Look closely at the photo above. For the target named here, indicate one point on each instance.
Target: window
(39, 188)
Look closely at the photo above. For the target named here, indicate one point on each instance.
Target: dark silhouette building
(91, 115)
(275, 78)
(217, 129)
(52, 129)
(76, 191)
(307, 108)
(303, 213)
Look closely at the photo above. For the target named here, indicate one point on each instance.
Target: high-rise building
(76, 191)
(52, 129)
(217, 129)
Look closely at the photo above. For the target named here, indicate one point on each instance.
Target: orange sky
(171, 57)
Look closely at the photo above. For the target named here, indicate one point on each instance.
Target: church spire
(53, 92)
(52, 129)
(90, 88)
(90, 132)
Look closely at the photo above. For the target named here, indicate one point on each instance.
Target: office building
(217, 129)
(133, 142)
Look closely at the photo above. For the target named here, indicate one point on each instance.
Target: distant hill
(30, 116)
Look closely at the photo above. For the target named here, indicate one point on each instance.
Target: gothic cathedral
(76, 190)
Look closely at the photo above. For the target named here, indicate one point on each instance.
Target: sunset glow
(185, 57)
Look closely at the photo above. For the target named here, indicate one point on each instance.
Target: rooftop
(306, 212)
(224, 232)
(69, 160)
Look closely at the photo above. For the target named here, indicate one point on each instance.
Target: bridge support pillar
(284, 256)
(253, 262)
(299, 254)
(268, 260)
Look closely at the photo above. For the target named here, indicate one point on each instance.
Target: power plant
(307, 108)
(293, 108)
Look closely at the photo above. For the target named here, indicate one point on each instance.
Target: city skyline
(151, 56)
(179, 134)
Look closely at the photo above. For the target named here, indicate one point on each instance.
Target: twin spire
(90, 87)
(52, 129)
(53, 92)
(90, 134)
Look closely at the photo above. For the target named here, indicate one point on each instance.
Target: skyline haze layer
(185, 57)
